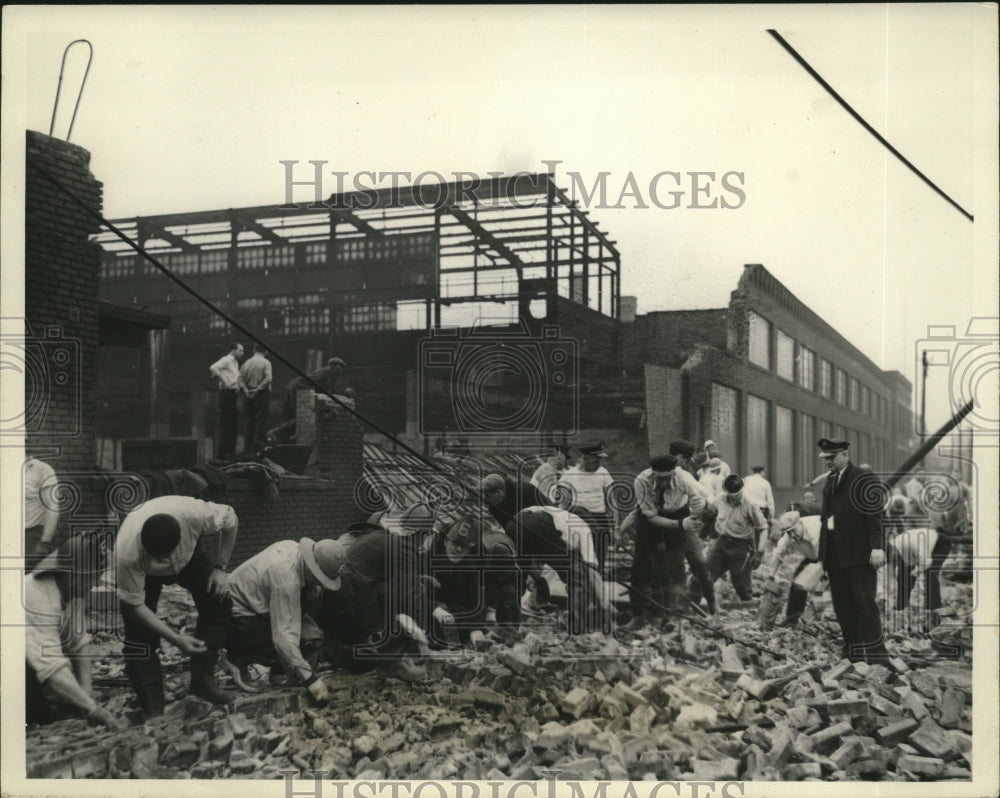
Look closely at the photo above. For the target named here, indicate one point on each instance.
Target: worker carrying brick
(267, 593)
(473, 563)
(742, 530)
(56, 643)
(669, 503)
(163, 542)
(799, 535)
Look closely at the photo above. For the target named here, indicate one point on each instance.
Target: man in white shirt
(547, 475)
(41, 511)
(799, 535)
(711, 452)
(741, 527)
(669, 502)
(588, 484)
(914, 551)
(226, 371)
(256, 376)
(758, 491)
(56, 643)
(267, 592)
(161, 542)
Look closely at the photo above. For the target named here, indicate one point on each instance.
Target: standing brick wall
(318, 506)
(304, 507)
(61, 269)
(60, 300)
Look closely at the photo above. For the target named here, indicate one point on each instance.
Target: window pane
(807, 449)
(784, 447)
(825, 377)
(786, 356)
(724, 429)
(841, 387)
(760, 334)
(757, 432)
(807, 365)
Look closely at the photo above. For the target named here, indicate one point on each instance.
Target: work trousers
(852, 592)
(257, 407)
(227, 422)
(702, 583)
(906, 577)
(797, 596)
(249, 641)
(734, 555)
(142, 662)
(600, 530)
(657, 568)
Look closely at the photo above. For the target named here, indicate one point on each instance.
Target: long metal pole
(929, 444)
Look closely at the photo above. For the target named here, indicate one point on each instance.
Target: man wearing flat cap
(741, 528)
(381, 593)
(268, 592)
(669, 502)
(851, 550)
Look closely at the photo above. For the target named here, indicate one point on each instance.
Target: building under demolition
(494, 318)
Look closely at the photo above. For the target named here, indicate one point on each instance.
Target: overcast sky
(192, 109)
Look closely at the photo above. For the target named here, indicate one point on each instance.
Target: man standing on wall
(226, 371)
(256, 377)
(851, 550)
(326, 377)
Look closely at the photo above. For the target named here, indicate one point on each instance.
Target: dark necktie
(833, 480)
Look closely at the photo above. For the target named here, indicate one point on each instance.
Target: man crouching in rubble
(381, 592)
(57, 667)
(545, 535)
(267, 592)
(475, 572)
(669, 502)
(162, 542)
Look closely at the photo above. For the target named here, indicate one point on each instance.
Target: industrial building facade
(765, 378)
(494, 316)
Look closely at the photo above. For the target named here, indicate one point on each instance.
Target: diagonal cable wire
(169, 274)
(846, 106)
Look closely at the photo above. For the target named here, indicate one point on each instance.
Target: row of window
(796, 458)
(801, 365)
(383, 249)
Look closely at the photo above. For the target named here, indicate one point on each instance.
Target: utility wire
(846, 106)
(319, 388)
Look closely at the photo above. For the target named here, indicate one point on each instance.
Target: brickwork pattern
(61, 269)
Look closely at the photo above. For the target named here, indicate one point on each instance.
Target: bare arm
(144, 616)
(50, 504)
(227, 541)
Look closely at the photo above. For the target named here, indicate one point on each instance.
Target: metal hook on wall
(83, 83)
